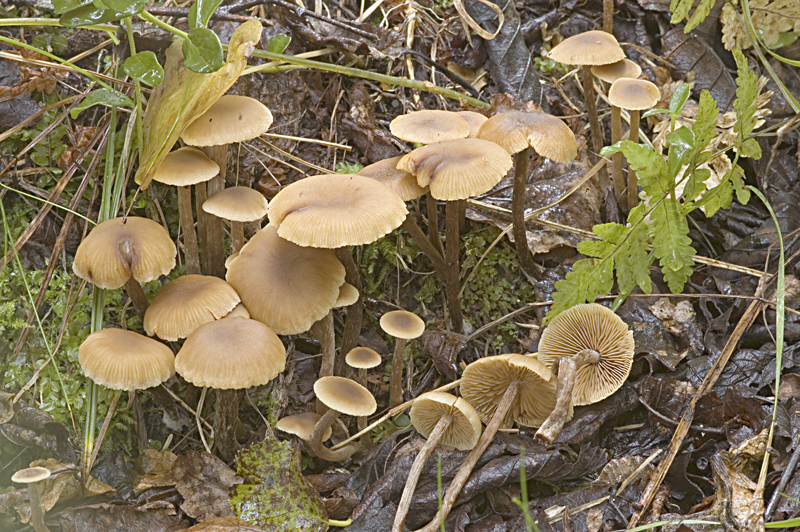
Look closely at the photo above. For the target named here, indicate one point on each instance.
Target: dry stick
(226, 420)
(325, 422)
(135, 292)
(426, 246)
(214, 262)
(323, 331)
(396, 380)
(616, 159)
(451, 259)
(352, 325)
(518, 211)
(633, 184)
(191, 253)
(594, 122)
(432, 206)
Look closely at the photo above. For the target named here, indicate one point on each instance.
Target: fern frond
(650, 167)
(680, 10)
(746, 92)
(588, 279)
(671, 243)
(633, 263)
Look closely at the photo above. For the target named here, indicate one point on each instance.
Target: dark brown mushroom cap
(588, 48)
(457, 169)
(475, 121)
(186, 303)
(633, 94)
(614, 71)
(429, 126)
(399, 181)
(595, 327)
(113, 252)
(345, 396)
(301, 425)
(30, 475)
(124, 360)
(402, 324)
(336, 210)
(465, 429)
(362, 358)
(238, 204)
(231, 353)
(185, 166)
(231, 119)
(517, 130)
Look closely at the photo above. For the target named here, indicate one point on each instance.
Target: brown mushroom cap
(125, 360)
(595, 327)
(283, 285)
(475, 121)
(345, 396)
(633, 94)
(348, 294)
(614, 71)
(30, 475)
(113, 252)
(402, 324)
(399, 181)
(238, 204)
(486, 380)
(336, 210)
(186, 303)
(231, 119)
(588, 48)
(546, 134)
(362, 358)
(185, 166)
(429, 126)
(302, 425)
(457, 169)
(465, 429)
(231, 353)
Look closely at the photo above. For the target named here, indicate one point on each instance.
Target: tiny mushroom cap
(516, 130)
(231, 353)
(614, 71)
(475, 121)
(125, 360)
(348, 294)
(595, 327)
(362, 358)
(429, 126)
(238, 204)
(30, 475)
(239, 311)
(345, 396)
(302, 425)
(457, 169)
(399, 181)
(402, 324)
(465, 429)
(633, 94)
(336, 210)
(231, 119)
(186, 303)
(114, 251)
(184, 167)
(588, 48)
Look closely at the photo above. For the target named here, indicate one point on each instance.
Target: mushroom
(342, 396)
(32, 476)
(475, 121)
(441, 418)
(592, 350)
(302, 425)
(239, 205)
(363, 358)
(403, 326)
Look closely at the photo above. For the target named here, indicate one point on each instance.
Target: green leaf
(750, 148)
(128, 7)
(719, 197)
(700, 14)
(679, 98)
(681, 144)
(737, 179)
(201, 11)
(588, 279)
(90, 15)
(671, 243)
(705, 122)
(102, 96)
(202, 51)
(144, 67)
(652, 112)
(278, 43)
(62, 6)
(611, 232)
(650, 167)
(746, 92)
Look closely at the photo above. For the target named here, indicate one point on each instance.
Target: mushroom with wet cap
(341, 396)
(403, 326)
(32, 476)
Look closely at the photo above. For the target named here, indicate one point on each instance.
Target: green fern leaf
(650, 167)
(705, 122)
(671, 243)
(633, 264)
(588, 279)
(699, 15)
(746, 92)
(680, 10)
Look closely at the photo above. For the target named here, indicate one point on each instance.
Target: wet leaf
(144, 67)
(201, 11)
(204, 481)
(157, 517)
(202, 51)
(62, 6)
(126, 7)
(222, 524)
(278, 43)
(90, 14)
(102, 96)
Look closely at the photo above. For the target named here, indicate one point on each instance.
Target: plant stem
(426, 246)
(325, 422)
(214, 261)
(200, 197)
(396, 380)
(594, 123)
(616, 159)
(110, 28)
(518, 196)
(226, 420)
(191, 253)
(352, 325)
(137, 85)
(453, 267)
(633, 183)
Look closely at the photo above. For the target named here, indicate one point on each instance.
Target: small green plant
(522, 501)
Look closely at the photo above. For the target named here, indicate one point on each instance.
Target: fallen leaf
(204, 481)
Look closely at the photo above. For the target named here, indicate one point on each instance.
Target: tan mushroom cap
(429, 126)
(399, 181)
(230, 259)
(30, 475)
(362, 358)
(614, 71)
(124, 360)
(588, 48)
(633, 94)
(186, 303)
(465, 429)
(336, 210)
(231, 119)
(185, 166)
(475, 121)
(345, 396)
(595, 327)
(238, 204)
(486, 380)
(301, 425)
(402, 324)
(283, 285)
(457, 169)
(547, 135)
(114, 252)
(239, 311)
(231, 353)
(348, 294)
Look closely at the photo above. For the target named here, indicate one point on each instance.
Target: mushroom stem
(366, 441)
(226, 420)
(608, 16)
(633, 184)
(215, 261)
(416, 471)
(190, 252)
(616, 159)
(396, 380)
(432, 207)
(518, 211)
(135, 292)
(426, 246)
(472, 458)
(237, 236)
(594, 122)
(352, 325)
(325, 422)
(451, 259)
(200, 197)
(37, 515)
(324, 333)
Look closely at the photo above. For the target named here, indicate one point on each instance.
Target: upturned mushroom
(341, 396)
(237, 205)
(403, 326)
(32, 476)
(302, 426)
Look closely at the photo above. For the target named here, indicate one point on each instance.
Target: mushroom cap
(125, 360)
(302, 425)
(30, 475)
(588, 48)
(231, 119)
(402, 324)
(429, 126)
(595, 327)
(399, 181)
(231, 353)
(348, 294)
(185, 166)
(475, 121)
(238, 204)
(113, 252)
(239, 311)
(465, 429)
(336, 210)
(457, 169)
(230, 259)
(486, 380)
(283, 285)
(362, 358)
(345, 396)
(516, 130)
(186, 303)
(633, 94)
(614, 71)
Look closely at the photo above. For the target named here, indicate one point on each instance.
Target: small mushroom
(341, 396)
(403, 326)
(302, 426)
(475, 121)
(429, 126)
(238, 205)
(32, 476)
(363, 358)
